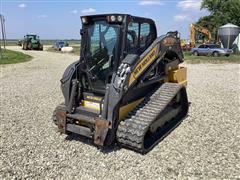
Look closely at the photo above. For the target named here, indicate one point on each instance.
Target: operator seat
(132, 45)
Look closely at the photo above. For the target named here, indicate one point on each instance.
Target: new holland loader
(127, 87)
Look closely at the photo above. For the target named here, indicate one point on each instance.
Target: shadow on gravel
(110, 149)
(164, 132)
(82, 139)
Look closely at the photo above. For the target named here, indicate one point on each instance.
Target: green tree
(221, 12)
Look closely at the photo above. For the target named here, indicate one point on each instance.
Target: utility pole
(0, 52)
(1, 42)
(3, 30)
(2, 22)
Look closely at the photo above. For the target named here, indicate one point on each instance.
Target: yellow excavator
(199, 34)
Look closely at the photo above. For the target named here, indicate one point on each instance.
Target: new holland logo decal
(143, 64)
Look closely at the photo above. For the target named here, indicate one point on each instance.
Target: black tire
(40, 47)
(227, 55)
(215, 54)
(24, 47)
(29, 46)
(195, 53)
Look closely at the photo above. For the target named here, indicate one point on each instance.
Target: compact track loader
(127, 87)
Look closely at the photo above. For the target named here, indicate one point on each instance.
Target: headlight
(113, 18)
(84, 20)
(120, 18)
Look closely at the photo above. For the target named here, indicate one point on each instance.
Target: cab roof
(117, 14)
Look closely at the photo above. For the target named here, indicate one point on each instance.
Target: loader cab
(31, 36)
(106, 41)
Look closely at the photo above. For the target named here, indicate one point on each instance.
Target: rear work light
(115, 18)
(84, 20)
(119, 18)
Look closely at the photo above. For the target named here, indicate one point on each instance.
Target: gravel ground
(205, 145)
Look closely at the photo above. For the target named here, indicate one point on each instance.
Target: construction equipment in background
(19, 43)
(32, 42)
(127, 87)
(199, 34)
(186, 45)
(59, 44)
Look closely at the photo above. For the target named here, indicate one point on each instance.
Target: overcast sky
(60, 19)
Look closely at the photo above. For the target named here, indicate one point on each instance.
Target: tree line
(221, 13)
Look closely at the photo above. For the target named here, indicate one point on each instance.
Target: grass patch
(12, 57)
(234, 58)
(76, 50)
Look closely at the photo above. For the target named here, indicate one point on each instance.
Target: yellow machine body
(178, 75)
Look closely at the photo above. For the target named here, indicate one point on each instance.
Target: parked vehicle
(211, 50)
(19, 43)
(32, 41)
(59, 44)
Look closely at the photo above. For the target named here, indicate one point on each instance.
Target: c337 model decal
(143, 64)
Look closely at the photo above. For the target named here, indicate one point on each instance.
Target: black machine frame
(127, 85)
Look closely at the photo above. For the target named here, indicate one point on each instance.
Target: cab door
(140, 33)
(206, 50)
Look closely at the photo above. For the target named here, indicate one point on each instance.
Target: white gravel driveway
(206, 145)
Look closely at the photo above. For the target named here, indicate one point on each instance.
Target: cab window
(139, 36)
(132, 37)
(145, 39)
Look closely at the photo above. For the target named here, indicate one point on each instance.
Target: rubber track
(132, 130)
